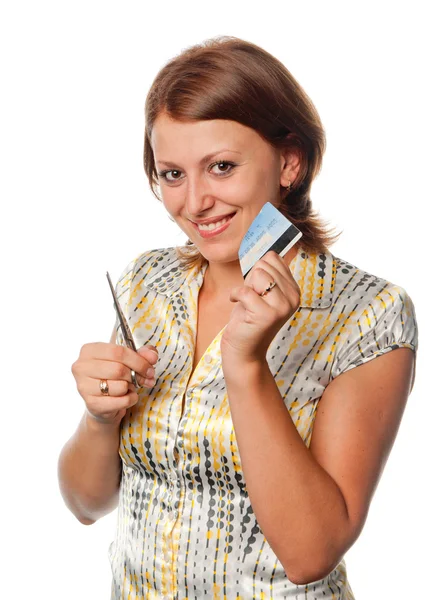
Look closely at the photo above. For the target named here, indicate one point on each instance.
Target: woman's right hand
(114, 363)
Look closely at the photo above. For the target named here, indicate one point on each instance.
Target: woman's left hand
(255, 320)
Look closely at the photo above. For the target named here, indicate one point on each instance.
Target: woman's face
(215, 170)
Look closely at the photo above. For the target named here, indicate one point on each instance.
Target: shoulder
(356, 289)
(148, 264)
(158, 270)
(371, 316)
(151, 262)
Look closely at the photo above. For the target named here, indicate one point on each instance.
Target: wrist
(95, 425)
(244, 371)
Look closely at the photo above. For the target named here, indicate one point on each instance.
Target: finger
(106, 404)
(275, 261)
(282, 296)
(277, 271)
(279, 263)
(268, 309)
(98, 369)
(101, 369)
(154, 348)
(150, 353)
(275, 298)
(118, 354)
(249, 299)
(91, 387)
(263, 275)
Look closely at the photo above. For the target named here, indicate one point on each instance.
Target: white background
(75, 203)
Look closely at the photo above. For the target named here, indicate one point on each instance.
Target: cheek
(236, 190)
(253, 181)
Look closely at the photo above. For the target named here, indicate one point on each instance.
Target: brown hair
(229, 78)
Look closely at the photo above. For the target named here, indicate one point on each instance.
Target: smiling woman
(232, 198)
(245, 463)
(236, 81)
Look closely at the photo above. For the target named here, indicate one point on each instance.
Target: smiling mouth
(215, 225)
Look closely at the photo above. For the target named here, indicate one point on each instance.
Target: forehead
(168, 134)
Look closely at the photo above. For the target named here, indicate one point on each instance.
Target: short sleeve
(123, 290)
(387, 323)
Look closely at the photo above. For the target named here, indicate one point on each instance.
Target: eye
(224, 163)
(163, 175)
(174, 173)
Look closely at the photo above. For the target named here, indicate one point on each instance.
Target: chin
(219, 256)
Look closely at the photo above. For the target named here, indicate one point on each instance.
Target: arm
(89, 468)
(311, 503)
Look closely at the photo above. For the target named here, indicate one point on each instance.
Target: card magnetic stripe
(280, 244)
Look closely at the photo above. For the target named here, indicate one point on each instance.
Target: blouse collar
(313, 272)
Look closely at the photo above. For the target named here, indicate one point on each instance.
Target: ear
(290, 163)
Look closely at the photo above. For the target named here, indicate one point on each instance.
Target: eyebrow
(204, 160)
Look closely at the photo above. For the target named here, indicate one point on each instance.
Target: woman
(245, 465)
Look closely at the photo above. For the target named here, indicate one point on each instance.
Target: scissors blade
(125, 329)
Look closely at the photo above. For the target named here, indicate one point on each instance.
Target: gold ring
(270, 287)
(104, 388)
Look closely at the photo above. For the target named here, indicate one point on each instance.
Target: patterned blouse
(186, 528)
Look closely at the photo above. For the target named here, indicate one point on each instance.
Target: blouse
(186, 529)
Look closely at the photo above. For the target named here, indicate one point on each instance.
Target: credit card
(270, 230)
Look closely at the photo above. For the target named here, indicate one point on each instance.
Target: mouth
(213, 229)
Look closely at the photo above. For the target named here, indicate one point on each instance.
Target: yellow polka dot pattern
(186, 528)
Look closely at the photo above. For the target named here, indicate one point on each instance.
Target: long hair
(229, 78)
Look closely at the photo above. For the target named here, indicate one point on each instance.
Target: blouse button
(208, 358)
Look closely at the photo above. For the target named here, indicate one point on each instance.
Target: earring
(288, 189)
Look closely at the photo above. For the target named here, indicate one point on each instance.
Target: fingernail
(154, 356)
(150, 372)
(152, 353)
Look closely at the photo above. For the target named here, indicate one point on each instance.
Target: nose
(198, 196)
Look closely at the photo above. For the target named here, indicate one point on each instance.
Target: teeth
(213, 226)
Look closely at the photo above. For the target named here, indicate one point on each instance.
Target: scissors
(125, 329)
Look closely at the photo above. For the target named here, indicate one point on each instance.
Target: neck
(220, 278)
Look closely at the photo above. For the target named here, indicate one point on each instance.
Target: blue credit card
(270, 230)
